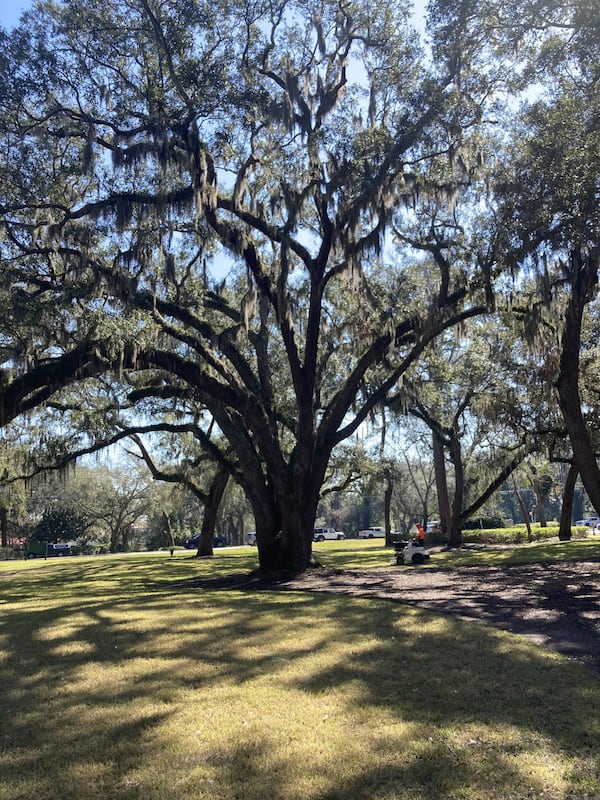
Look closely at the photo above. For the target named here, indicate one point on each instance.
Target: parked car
(250, 538)
(372, 533)
(591, 522)
(320, 534)
(193, 542)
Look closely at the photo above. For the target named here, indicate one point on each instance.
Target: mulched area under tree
(556, 605)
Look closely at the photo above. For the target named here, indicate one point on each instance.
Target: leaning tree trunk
(583, 287)
(566, 512)
(211, 509)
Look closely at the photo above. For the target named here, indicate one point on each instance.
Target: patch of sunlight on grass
(528, 553)
(126, 680)
(373, 554)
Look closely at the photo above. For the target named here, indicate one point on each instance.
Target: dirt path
(556, 605)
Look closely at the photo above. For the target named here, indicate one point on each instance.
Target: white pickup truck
(372, 533)
(320, 534)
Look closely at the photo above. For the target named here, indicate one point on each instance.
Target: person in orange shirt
(420, 533)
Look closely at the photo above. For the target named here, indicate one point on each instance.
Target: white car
(591, 522)
(250, 538)
(320, 534)
(372, 533)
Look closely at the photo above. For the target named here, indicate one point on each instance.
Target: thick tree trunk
(566, 512)
(584, 282)
(287, 547)
(298, 519)
(126, 534)
(285, 521)
(284, 527)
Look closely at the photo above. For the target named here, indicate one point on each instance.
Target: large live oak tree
(251, 208)
(551, 199)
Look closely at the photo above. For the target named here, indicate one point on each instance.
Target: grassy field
(123, 679)
(372, 554)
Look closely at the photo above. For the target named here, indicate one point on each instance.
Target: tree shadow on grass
(556, 605)
(152, 645)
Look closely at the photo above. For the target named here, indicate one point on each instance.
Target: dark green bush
(514, 535)
(484, 523)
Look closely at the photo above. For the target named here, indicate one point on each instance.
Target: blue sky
(11, 10)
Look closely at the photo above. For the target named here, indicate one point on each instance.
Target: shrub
(514, 535)
(484, 523)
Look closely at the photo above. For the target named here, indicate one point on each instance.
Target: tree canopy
(252, 218)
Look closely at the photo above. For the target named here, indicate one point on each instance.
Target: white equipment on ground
(413, 552)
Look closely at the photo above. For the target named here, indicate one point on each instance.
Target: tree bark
(540, 505)
(169, 527)
(211, 509)
(387, 509)
(524, 513)
(584, 279)
(456, 524)
(441, 482)
(566, 512)
(4, 525)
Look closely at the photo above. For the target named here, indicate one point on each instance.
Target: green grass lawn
(123, 679)
(373, 554)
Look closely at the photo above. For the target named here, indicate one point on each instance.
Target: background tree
(120, 506)
(173, 514)
(187, 473)
(103, 504)
(235, 515)
(406, 470)
(551, 197)
(542, 483)
(476, 416)
(60, 524)
(13, 456)
(415, 494)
